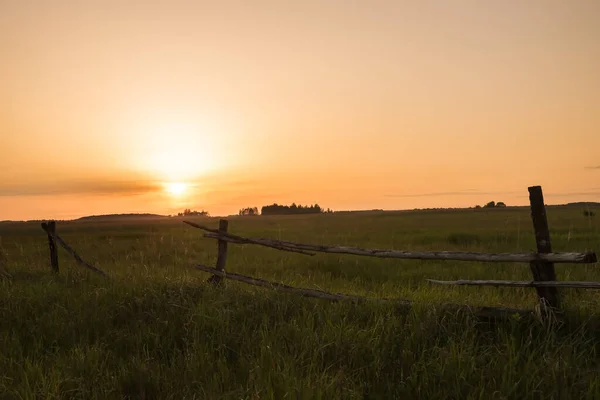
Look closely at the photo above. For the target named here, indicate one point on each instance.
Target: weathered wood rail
(567, 258)
(485, 312)
(53, 238)
(541, 263)
(535, 284)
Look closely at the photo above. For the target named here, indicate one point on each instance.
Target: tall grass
(157, 330)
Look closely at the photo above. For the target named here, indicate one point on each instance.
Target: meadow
(157, 330)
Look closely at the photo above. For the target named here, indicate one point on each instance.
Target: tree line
(187, 213)
(279, 209)
(248, 211)
(492, 204)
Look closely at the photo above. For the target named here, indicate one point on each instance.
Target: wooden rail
(535, 284)
(228, 237)
(483, 312)
(570, 258)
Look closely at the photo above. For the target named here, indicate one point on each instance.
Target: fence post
(50, 229)
(541, 270)
(222, 254)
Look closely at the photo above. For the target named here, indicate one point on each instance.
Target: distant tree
(187, 213)
(477, 206)
(491, 204)
(249, 211)
(500, 204)
(276, 209)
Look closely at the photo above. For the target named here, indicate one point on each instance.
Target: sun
(176, 189)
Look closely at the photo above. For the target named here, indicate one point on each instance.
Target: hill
(584, 204)
(110, 217)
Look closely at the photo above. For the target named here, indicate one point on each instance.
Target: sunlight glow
(175, 151)
(176, 189)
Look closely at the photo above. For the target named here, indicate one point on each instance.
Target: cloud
(593, 191)
(108, 186)
(468, 192)
(596, 167)
(96, 187)
(569, 194)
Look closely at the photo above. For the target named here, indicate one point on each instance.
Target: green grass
(157, 330)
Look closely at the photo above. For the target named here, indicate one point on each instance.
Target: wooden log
(214, 234)
(536, 284)
(542, 270)
(261, 282)
(483, 312)
(261, 242)
(50, 229)
(574, 258)
(73, 253)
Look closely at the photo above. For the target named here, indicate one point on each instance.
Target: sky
(114, 106)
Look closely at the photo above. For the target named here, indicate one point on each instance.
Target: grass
(156, 330)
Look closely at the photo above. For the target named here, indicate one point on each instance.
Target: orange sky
(351, 104)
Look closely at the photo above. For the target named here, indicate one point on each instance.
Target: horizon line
(333, 211)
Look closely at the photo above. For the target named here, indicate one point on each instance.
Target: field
(157, 330)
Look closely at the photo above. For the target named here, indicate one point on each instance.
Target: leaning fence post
(542, 270)
(50, 229)
(222, 253)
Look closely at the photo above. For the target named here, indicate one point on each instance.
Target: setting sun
(176, 188)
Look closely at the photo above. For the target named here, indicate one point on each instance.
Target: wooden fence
(541, 263)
